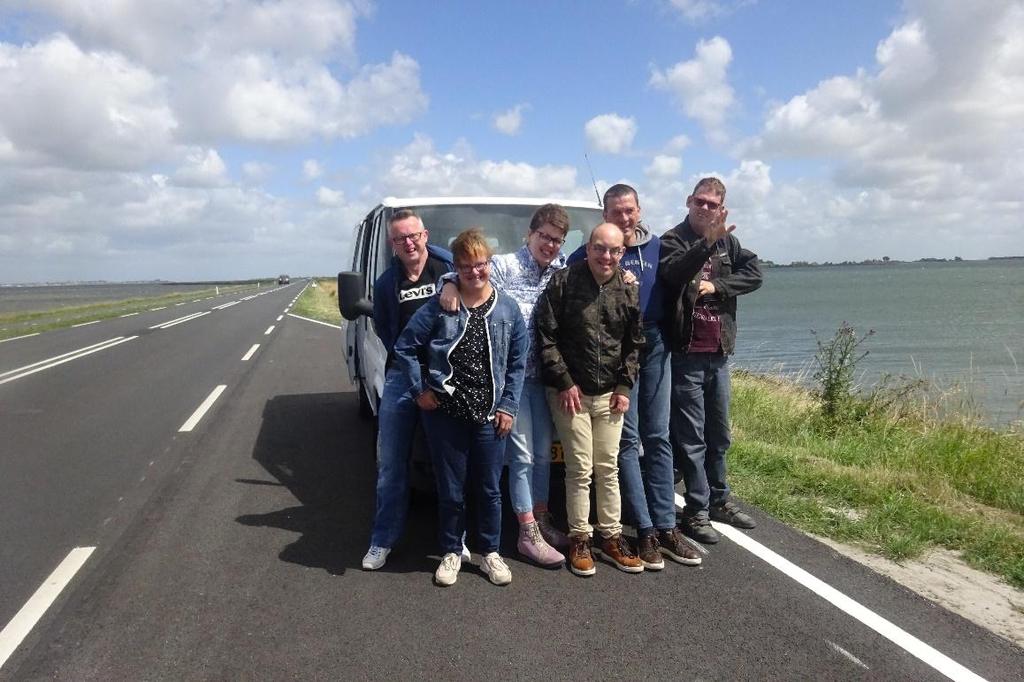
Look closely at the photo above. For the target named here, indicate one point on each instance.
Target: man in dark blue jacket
(397, 294)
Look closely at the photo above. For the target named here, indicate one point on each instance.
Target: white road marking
(129, 314)
(269, 329)
(179, 320)
(310, 319)
(279, 317)
(182, 303)
(18, 628)
(191, 422)
(61, 359)
(84, 324)
(197, 300)
(23, 336)
(846, 654)
(898, 636)
(162, 307)
(252, 350)
(226, 305)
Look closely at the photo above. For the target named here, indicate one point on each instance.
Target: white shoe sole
(680, 559)
(581, 572)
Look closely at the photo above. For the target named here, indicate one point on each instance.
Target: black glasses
(548, 239)
(706, 204)
(414, 238)
(601, 249)
(475, 267)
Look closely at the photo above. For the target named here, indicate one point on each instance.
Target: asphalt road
(232, 551)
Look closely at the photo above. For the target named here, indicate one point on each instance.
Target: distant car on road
(504, 220)
(283, 279)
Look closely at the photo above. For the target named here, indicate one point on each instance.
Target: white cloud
(664, 166)
(509, 122)
(698, 10)
(610, 133)
(700, 86)
(311, 169)
(87, 109)
(202, 168)
(257, 171)
(676, 144)
(420, 170)
(326, 196)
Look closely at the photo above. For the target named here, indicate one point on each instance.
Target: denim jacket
(437, 332)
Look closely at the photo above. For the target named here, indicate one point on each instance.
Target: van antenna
(598, 194)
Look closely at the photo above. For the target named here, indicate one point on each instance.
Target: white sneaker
(466, 556)
(448, 572)
(496, 569)
(375, 558)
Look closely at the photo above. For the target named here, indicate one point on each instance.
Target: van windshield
(505, 225)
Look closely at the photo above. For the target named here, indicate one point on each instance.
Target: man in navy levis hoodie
(649, 495)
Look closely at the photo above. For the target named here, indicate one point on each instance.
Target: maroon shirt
(707, 318)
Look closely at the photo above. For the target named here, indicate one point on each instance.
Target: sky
(207, 139)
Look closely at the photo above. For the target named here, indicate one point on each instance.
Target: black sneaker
(731, 514)
(673, 545)
(699, 528)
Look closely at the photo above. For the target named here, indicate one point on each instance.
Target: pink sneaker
(532, 546)
(552, 535)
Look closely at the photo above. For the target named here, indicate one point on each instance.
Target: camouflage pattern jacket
(588, 334)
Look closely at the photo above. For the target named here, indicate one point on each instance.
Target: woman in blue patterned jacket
(465, 369)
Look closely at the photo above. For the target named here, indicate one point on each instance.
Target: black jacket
(683, 254)
(588, 334)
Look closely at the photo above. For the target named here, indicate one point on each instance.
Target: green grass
(896, 486)
(28, 322)
(320, 302)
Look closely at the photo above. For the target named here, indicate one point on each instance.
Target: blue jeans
(454, 444)
(649, 495)
(528, 450)
(396, 420)
(700, 426)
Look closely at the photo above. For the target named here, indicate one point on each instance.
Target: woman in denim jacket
(466, 372)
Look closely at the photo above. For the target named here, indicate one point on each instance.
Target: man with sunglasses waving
(703, 269)
(397, 294)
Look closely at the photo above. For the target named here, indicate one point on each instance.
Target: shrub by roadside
(887, 479)
(320, 302)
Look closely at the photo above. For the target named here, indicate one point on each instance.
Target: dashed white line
(162, 307)
(898, 636)
(846, 654)
(191, 422)
(197, 300)
(280, 317)
(182, 303)
(61, 359)
(85, 324)
(269, 329)
(18, 628)
(252, 350)
(128, 314)
(23, 336)
(225, 305)
(310, 319)
(179, 320)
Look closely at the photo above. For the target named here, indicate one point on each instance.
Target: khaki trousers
(590, 441)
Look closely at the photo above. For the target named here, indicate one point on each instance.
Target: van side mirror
(351, 299)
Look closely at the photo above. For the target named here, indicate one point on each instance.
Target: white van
(504, 220)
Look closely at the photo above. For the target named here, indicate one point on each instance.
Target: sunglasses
(706, 204)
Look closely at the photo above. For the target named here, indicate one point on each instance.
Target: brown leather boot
(616, 550)
(580, 560)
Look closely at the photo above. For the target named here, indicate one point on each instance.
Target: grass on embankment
(320, 302)
(896, 486)
(29, 322)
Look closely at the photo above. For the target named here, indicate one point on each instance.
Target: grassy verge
(28, 322)
(893, 483)
(320, 302)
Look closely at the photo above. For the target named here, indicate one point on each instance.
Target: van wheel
(365, 411)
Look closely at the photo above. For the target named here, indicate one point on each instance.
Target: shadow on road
(316, 446)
